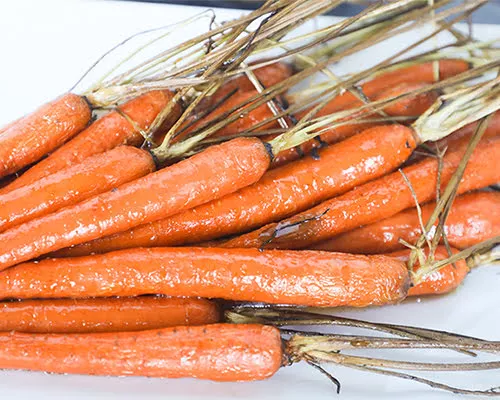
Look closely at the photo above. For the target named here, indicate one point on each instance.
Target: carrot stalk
(283, 277)
(375, 200)
(36, 134)
(108, 132)
(474, 218)
(96, 175)
(224, 352)
(105, 314)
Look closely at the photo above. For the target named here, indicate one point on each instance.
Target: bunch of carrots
(127, 241)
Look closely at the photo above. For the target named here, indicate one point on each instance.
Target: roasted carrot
(410, 106)
(96, 175)
(473, 218)
(215, 172)
(389, 84)
(444, 280)
(108, 132)
(40, 132)
(244, 123)
(274, 276)
(267, 75)
(219, 352)
(279, 193)
(105, 314)
(375, 200)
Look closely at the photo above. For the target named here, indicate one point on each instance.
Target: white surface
(45, 47)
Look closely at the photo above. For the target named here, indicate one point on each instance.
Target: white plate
(45, 47)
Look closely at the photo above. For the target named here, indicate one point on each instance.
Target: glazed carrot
(105, 314)
(242, 124)
(410, 106)
(40, 132)
(375, 200)
(267, 75)
(10, 125)
(279, 193)
(108, 132)
(96, 175)
(219, 352)
(275, 276)
(444, 280)
(386, 85)
(215, 172)
(473, 218)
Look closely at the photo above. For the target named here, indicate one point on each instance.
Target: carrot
(375, 200)
(108, 132)
(219, 352)
(444, 280)
(474, 217)
(105, 315)
(410, 106)
(389, 84)
(40, 132)
(10, 125)
(267, 75)
(244, 123)
(275, 276)
(279, 193)
(96, 175)
(215, 172)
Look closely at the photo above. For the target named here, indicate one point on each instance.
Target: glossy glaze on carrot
(307, 278)
(473, 218)
(280, 193)
(96, 175)
(125, 314)
(208, 175)
(218, 352)
(106, 133)
(375, 200)
(442, 281)
(42, 131)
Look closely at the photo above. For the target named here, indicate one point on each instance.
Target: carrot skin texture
(306, 278)
(441, 281)
(105, 314)
(208, 175)
(42, 131)
(279, 193)
(411, 106)
(473, 218)
(96, 175)
(106, 133)
(218, 352)
(377, 200)
(383, 86)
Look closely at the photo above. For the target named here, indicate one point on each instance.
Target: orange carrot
(410, 106)
(108, 132)
(280, 193)
(375, 200)
(219, 352)
(473, 218)
(35, 135)
(96, 175)
(215, 172)
(274, 276)
(386, 85)
(267, 75)
(105, 314)
(444, 280)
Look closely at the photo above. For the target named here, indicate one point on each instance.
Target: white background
(45, 46)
